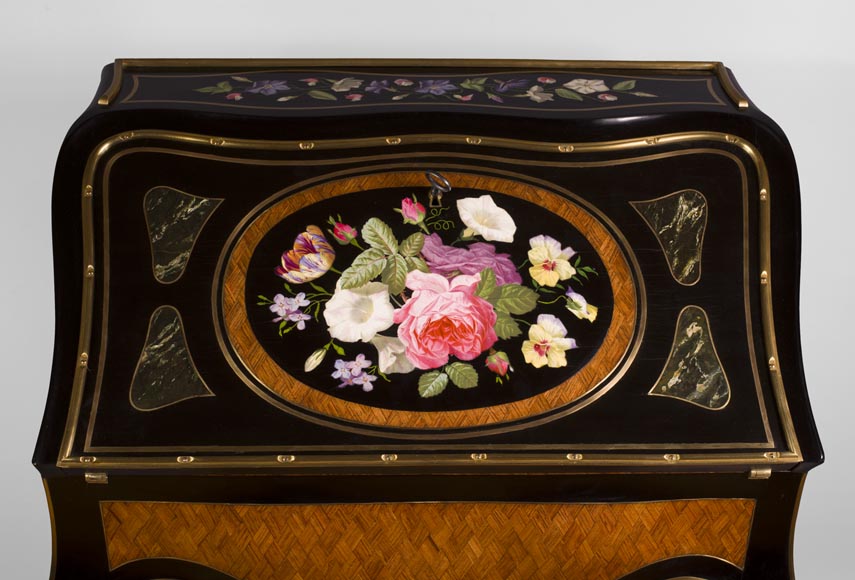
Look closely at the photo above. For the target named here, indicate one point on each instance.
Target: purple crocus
(505, 86)
(435, 87)
(268, 87)
(377, 87)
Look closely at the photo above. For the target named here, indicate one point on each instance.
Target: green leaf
(287, 287)
(463, 375)
(225, 86)
(367, 266)
(487, 285)
(506, 327)
(416, 263)
(412, 245)
(639, 94)
(568, 94)
(624, 86)
(474, 84)
(515, 299)
(582, 273)
(320, 289)
(378, 235)
(286, 99)
(322, 95)
(578, 259)
(339, 350)
(207, 90)
(241, 79)
(433, 383)
(394, 274)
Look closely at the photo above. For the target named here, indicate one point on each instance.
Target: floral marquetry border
(267, 373)
(538, 89)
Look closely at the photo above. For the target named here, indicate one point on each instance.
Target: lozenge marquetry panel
(609, 356)
(417, 541)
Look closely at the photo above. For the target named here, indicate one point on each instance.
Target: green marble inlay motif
(678, 221)
(165, 373)
(694, 372)
(174, 221)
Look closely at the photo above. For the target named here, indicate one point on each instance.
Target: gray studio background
(795, 60)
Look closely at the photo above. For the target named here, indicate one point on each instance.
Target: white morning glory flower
(538, 95)
(390, 352)
(587, 86)
(360, 313)
(483, 217)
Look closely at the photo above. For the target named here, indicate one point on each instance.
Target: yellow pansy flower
(549, 262)
(547, 343)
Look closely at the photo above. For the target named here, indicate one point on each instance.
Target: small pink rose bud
(341, 232)
(311, 82)
(498, 362)
(545, 80)
(413, 211)
(464, 98)
(403, 82)
(234, 96)
(607, 97)
(353, 97)
(344, 234)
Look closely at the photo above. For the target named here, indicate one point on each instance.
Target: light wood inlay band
(271, 375)
(417, 541)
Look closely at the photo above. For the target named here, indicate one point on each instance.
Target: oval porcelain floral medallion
(368, 300)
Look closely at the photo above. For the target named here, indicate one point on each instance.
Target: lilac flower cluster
(353, 373)
(290, 309)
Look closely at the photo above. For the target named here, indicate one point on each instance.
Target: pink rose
(607, 97)
(444, 317)
(234, 96)
(353, 97)
(413, 211)
(545, 80)
(449, 261)
(310, 81)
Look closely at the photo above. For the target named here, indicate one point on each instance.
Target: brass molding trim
(788, 457)
(438, 436)
(53, 540)
(122, 65)
(661, 462)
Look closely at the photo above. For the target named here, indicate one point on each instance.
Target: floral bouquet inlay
(451, 297)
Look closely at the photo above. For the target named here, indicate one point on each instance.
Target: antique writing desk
(425, 319)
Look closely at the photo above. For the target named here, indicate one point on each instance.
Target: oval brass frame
(264, 373)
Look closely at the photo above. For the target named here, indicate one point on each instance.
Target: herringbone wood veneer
(418, 541)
